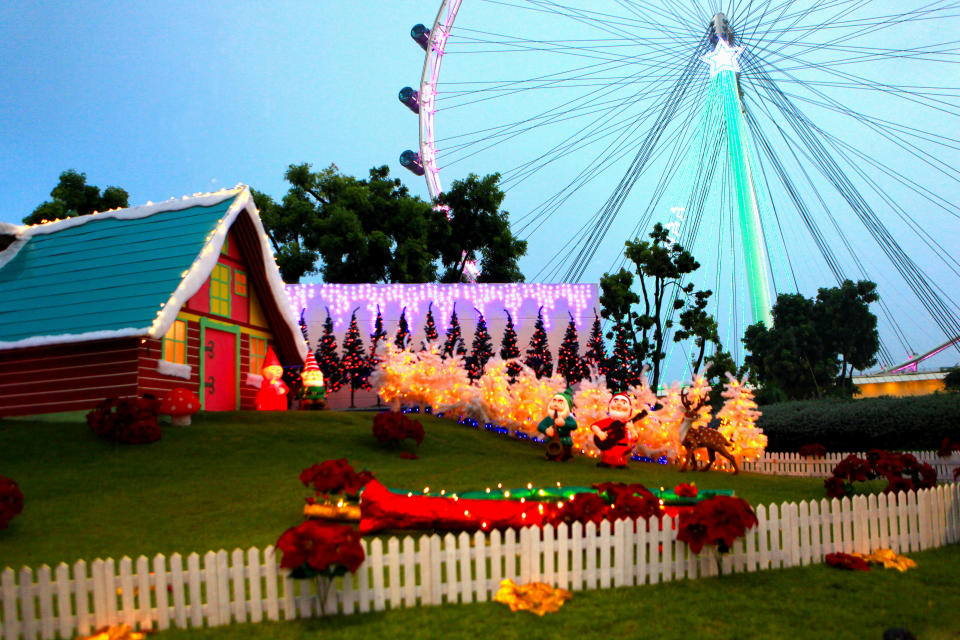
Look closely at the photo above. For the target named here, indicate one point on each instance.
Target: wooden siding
(66, 377)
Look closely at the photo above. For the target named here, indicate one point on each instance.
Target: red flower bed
(717, 521)
(313, 549)
(684, 490)
(902, 471)
(392, 427)
(813, 451)
(947, 447)
(126, 420)
(335, 476)
(11, 501)
(847, 561)
(615, 501)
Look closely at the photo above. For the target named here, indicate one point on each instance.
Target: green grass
(230, 479)
(814, 602)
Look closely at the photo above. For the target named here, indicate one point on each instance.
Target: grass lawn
(230, 479)
(814, 602)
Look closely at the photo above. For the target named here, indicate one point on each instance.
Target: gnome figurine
(616, 434)
(313, 393)
(558, 425)
(272, 395)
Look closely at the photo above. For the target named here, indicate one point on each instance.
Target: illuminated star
(723, 58)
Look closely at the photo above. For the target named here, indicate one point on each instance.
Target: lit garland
(738, 421)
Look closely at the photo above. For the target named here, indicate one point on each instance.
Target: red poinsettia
(947, 447)
(717, 521)
(11, 501)
(335, 476)
(902, 471)
(813, 451)
(898, 484)
(847, 561)
(835, 486)
(126, 420)
(315, 549)
(685, 490)
(392, 427)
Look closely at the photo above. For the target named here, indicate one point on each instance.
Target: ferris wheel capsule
(420, 35)
(411, 98)
(720, 28)
(411, 160)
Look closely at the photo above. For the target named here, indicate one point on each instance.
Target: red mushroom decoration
(179, 404)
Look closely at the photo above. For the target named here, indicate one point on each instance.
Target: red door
(220, 370)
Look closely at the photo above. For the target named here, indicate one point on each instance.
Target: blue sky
(172, 98)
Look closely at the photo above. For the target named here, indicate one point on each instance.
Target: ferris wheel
(789, 144)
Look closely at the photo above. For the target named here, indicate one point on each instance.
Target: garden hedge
(913, 423)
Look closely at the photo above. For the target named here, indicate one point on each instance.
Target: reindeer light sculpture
(693, 438)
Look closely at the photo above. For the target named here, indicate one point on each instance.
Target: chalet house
(141, 300)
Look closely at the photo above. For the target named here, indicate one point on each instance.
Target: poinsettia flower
(835, 487)
(685, 490)
(898, 484)
(846, 561)
(691, 530)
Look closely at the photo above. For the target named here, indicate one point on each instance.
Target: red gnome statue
(615, 434)
(273, 392)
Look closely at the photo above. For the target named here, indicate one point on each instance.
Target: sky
(173, 98)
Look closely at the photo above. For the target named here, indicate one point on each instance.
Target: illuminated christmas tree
(569, 363)
(539, 357)
(403, 331)
(622, 371)
(509, 349)
(327, 358)
(375, 338)
(596, 356)
(738, 420)
(482, 349)
(430, 328)
(454, 341)
(355, 366)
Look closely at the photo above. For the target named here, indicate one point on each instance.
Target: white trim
(253, 380)
(174, 369)
(41, 341)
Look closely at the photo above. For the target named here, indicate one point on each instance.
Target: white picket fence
(247, 586)
(793, 464)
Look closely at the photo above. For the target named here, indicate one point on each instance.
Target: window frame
(169, 338)
(228, 283)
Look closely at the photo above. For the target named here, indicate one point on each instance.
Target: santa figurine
(558, 425)
(616, 434)
(272, 395)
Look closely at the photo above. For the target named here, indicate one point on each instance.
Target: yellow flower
(535, 597)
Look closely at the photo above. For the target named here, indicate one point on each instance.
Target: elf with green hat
(558, 425)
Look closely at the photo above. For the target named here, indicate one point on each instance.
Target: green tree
(74, 197)
(807, 351)
(479, 229)
(368, 230)
(660, 266)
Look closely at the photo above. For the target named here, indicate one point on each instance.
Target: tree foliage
(373, 230)
(816, 344)
(74, 197)
(648, 317)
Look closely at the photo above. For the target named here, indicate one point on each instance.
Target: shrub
(11, 501)
(920, 422)
(126, 420)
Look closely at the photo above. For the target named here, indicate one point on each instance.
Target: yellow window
(258, 351)
(220, 290)
(239, 282)
(175, 343)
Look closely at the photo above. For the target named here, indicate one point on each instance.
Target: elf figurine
(615, 435)
(273, 392)
(558, 425)
(312, 394)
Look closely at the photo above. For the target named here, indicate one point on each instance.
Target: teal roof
(105, 274)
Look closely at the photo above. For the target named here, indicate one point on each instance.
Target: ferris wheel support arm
(428, 92)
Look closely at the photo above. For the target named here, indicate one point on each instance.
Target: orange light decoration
(738, 421)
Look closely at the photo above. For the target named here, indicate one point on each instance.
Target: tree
(622, 368)
(369, 230)
(569, 363)
(479, 229)
(805, 354)
(596, 354)
(74, 197)
(303, 328)
(508, 347)
(951, 382)
(482, 349)
(327, 358)
(454, 341)
(403, 331)
(539, 357)
(430, 327)
(356, 368)
(661, 267)
(696, 323)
